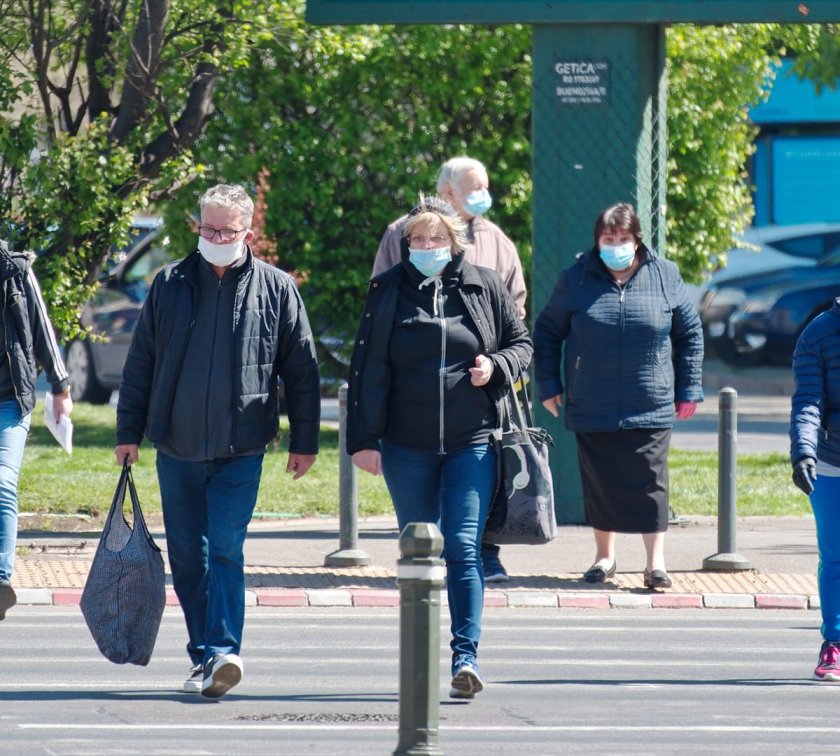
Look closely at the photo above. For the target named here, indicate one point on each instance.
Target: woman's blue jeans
(825, 501)
(453, 490)
(206, 510)
(13, 430)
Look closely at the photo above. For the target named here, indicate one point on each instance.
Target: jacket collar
(11, 263)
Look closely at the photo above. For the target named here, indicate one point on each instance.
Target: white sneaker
(221, 673)
(193, 683)
(466, 682)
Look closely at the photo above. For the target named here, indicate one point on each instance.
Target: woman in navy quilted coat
(632, 349)
(815, 455)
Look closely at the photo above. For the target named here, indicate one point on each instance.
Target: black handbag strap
(524, 420)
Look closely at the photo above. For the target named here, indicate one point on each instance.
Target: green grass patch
(764, 486)
(83, 483)
(54, 483)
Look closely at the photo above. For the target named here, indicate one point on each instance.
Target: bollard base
(726, 563)
(347, 558)
(416, 749)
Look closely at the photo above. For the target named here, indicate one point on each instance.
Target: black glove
(804, 474)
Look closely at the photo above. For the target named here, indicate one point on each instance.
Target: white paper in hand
(62, 430)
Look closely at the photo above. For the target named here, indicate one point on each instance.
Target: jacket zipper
(442, 370)
(6, 347)
(621, 347)
(210, 373)
(183, 352)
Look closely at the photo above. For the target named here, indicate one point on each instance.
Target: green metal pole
(599, 98)
(420, 575)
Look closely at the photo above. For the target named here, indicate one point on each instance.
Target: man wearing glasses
(218, 332)
(464, 184)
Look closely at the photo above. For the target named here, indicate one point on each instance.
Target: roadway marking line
(448, 728)
(284, 655)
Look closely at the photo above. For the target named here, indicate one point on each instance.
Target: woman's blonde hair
(433, 211)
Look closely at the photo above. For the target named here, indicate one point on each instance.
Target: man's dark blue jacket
(272, 341)
(630, 351)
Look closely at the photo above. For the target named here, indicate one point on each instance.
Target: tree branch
(138, 85)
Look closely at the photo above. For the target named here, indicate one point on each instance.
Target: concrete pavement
(285, 567)
(285, 558)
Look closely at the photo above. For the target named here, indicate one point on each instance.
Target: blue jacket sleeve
(808, 398)
(550, 331)
(687, 340)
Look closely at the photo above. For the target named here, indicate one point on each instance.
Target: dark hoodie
(27, 335)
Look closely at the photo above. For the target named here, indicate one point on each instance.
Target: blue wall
(796, 167)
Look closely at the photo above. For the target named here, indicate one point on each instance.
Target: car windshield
(812, 246)
(147, 265)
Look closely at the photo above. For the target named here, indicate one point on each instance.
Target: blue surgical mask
(478, 202)
(618, 257)
(430, 262)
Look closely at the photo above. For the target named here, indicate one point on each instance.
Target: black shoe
(597, 574)
(657, 579)
(8, 597)
(194, 682)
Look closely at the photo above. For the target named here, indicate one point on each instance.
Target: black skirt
(625, 479)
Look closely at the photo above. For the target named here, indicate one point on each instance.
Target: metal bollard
(420, 575)
(349, 554)
(727, 559)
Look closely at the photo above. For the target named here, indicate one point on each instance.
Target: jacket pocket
(572, 380)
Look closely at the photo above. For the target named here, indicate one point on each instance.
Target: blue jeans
(455, 490)
(825, 501)
(206, 510)
(13, 430)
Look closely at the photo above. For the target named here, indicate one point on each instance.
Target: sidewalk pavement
(285, 558)
(285, 567)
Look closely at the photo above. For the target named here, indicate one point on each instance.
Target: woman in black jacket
(423, 393)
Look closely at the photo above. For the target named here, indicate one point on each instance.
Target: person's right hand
(552, 403)
(369, 460)
(127, 452)
(804, 474)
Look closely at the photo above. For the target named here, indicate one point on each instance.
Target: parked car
(770, 248)
(755, 320)
(774, 249)
(95, 364)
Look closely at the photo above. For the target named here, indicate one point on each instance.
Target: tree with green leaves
(346, 125)
(102, 101)
(351, 122)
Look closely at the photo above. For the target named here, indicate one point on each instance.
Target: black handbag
(522, 510)
(125, 591)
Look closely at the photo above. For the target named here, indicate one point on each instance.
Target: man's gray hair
(452, 170)
(229, 196)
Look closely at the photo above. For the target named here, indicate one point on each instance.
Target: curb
(367, 598)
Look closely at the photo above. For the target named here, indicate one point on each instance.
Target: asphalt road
(326, 682)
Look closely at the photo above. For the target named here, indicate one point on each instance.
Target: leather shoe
(657, 579)
(597, 574)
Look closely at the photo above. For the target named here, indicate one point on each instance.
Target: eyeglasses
(224, 234)
(419, 241)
